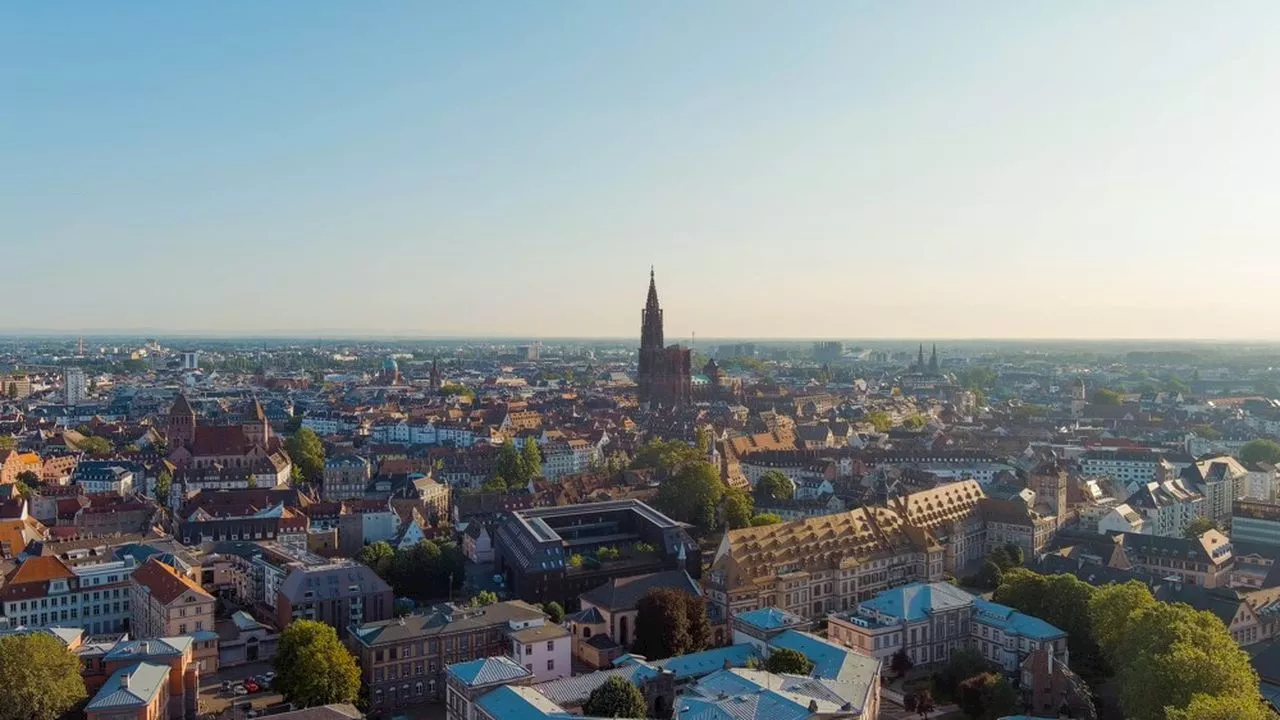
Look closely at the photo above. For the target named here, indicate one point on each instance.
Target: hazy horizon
(832, 170)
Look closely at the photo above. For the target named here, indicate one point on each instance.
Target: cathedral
(247, 446)
(665, 376)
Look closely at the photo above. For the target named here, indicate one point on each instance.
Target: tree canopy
(786, 660)
(1198, 527)
(164, 484)
(670, 622)
(41, 678)
(313, 667)
(692, 495)
(774, 485)
(737, 508)
(95, 445)
(765, 519)
(422, 572)
(880, 420)
(1260, 450)
(307, 452)
(963, 664)
(1107, 396)
(555, 611)
(1062, 601)
(531, 458)
(987, 696)
(1172, 661)
(616, 698)
(666, 455)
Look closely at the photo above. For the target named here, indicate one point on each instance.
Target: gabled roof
(133, 686)
(488, 671)
(624, 593)
(166, 584)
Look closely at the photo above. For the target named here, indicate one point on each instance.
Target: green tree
(95, 445)
(164, 484)
(312, 666)
(532, 459)
(1198, 527)
(987, 697)
(1107, 396)
(1260, 450)
(1112, 608)
(1205, 431)
(786, 660)
(900, 663)
(1062, 601)
(8, 442)
(702, 439)
(765, 519)
(41, 677)
(692, 495)
(665, 455)
(616, 698)
(307, 452)
(963, 664)
(737, 508)
(989, 575)
(377, 556)
(510, 464)
(495, 484)
(915, 421)
(1015, 553)
(670, 622)
(28, 478)
(880, 420)
(484, 597)
(555, 611)
(774, 486)
(455, 389)
(1221, 707)
(1000, 556)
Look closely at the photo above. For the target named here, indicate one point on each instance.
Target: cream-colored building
(166, 603)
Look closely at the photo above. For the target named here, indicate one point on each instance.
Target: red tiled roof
(165, 583)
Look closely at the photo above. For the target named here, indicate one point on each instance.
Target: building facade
(665, 374)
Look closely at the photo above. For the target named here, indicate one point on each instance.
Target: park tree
(692, 495)
(307, 452)
(667, 625)
(312, 666)
(765, 519)
(737, 508)
(702, 439)
(377, 556)
(555, 611)
(531, 458)
(1198, 527)
(41, 678)
(1221, 707)
(987, 696)
(616, 698)
(989, 575)
(1260, 450)
(1062, 601)
(495, 484)
(1112, 608)
(786, 660)
(774, 486)
(483, 598)
(95, 445)
(1015, 554)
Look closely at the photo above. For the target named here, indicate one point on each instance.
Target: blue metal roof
(153, 647)
(144, 681)
(487, 671)
(708, 661)
(769, 618)
(519, 703)
(1013, 622)
(917, 601)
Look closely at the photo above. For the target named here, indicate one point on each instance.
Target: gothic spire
(933, 359)
(651, 318)
(652, 302)
(920, 359)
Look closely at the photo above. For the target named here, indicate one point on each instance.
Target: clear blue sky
(834, 169)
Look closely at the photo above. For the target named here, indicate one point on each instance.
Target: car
(240, 690)
(226, 685)
(269, 675)
(252, 687)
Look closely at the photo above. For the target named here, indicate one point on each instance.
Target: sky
(838, 169)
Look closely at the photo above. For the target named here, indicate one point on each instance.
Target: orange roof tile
(165, 583)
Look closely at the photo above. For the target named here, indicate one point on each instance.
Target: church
(665, 376)
(250, 447)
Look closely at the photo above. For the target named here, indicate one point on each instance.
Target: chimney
(124, 681)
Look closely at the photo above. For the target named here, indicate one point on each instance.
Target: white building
(543, 649)
(191, 360)
(75, 386)
(1167, 507)
(1121, 518)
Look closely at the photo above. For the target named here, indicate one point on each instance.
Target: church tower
(181, 430)
(920, 359)
(664, 375)
(933, 360)
(255, 425)
(435, 373)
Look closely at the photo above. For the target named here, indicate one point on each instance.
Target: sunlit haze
(824, 169)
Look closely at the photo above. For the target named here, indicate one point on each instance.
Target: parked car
(269, 675)
(240, 690)
(252, 686)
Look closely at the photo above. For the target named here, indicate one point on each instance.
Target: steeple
(920, 359)
(651, 317)
(933, 360)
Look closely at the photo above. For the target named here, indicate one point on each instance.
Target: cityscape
(712, 360)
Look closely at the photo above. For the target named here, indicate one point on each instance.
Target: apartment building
(1221, 480)
(342, 593)
(1167, 507)
(1256, 521)
(44, 591)
(345, 477)
(166, 603)
(1206, 561)
(403, 660)
(930, 621)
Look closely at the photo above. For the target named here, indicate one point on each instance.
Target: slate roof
(488, 671)
(144, 681)
(443, 619)
(620, 594)
(574, 691)
(151, 648)
(769, 618)
(916, 601)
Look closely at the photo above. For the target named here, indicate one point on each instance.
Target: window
(551, 664)
(528, 649)
(551, 645)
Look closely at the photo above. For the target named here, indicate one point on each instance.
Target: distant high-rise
(75, 386)
(665, 374)
(191, 360)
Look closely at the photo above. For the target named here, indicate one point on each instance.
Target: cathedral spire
(920, 359)
(933, 359)
(651, 334)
